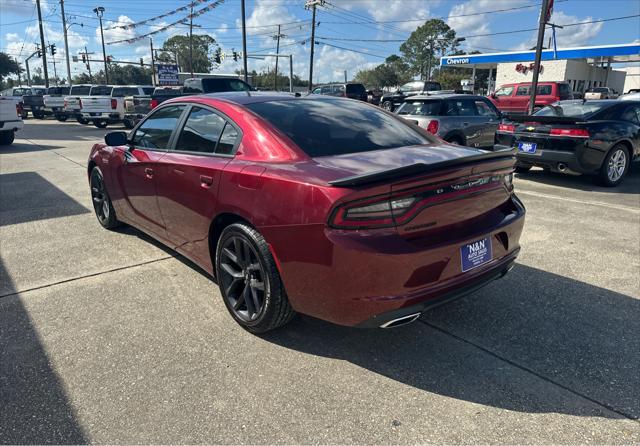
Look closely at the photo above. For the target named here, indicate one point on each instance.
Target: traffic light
(38, 51)
(235, 56)
(84, 58)
(218, 57)
(52, 48)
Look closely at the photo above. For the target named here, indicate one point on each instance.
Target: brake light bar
(575, 132)
(114, 104)
(433, 126)
(506, 128)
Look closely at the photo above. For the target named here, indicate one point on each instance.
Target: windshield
(101, 90)
(576, 109)
(423, 108)
(120, 92)
(81, 89)
(337, 127)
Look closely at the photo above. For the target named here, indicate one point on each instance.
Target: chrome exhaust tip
(404, 320)
(562, 167)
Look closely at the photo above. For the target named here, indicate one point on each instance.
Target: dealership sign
(167, 74)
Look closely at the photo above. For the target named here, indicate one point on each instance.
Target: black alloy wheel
(387, 105)
(101, 202)
(249, 280)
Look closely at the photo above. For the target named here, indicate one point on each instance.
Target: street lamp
(99, 12)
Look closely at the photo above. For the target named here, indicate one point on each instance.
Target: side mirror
(493, 96)
(117, 138)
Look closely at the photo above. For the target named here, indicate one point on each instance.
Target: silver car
(462, 119)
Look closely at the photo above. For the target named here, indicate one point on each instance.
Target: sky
(352, 34)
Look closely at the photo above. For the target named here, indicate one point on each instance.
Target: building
(583, 67)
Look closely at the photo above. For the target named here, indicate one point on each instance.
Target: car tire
(6, 138)
(249, 281)
(61, 118)
(38, 115)
(455, 140)
(523, 168)
(24, 115)
(82, 121)
(101, 124)
(102, 205)
(387, 105)
(128, 124)
(615, 166)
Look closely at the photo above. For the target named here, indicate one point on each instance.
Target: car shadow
(26, 147)
(532, 342)
(630, 185)
(27, 196)
(34, 407)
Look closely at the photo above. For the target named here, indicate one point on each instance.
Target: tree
(125, 74)
(393, 72)
(8, 65)
(431, 39)
(203, 48)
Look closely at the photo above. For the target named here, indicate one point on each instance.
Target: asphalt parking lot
(107, 337)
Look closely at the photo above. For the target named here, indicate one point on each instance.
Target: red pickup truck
(514, 98)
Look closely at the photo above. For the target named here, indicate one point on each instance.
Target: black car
(391, 101)
(599, 138)
(215, 85)
(352, 90)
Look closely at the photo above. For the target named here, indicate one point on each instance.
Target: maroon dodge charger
(325, 206)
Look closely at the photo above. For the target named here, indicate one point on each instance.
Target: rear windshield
(39, 91)
(81, 89)
(58, 90)
(599, 90)
(166, 92)
(120, 92)
(21, 91)
(423, 108)
(101, 90)
(337, 127)
(572, 109)
(213, 85)
(356, 89)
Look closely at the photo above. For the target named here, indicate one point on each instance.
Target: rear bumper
(11, 125)
(358, 278)
(585, 160)
(92, 116)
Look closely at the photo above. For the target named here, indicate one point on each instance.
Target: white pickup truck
(10, 119)
(600, 93)
(72, 102)
(54, 102)
(103, 109)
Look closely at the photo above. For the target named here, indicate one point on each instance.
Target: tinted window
(316, 91)
(565, 91)
(632, 114)
(147, 90)
(335, 127)
(432, 86)
(523, 90)
(484, 108)
(101, 90)
(58, 90)
(572, 109)
(155, 131)
(356, 89)
(228, 140)
(120, 92)
(81, 90)
(504, 91)
(325, 90)
(201, 131)
(39, 91)
(544, 90)
(21, 91)
(409, 86)
(337, 89)
(460, 107)
(219, 85)
(424, 108)
(193, 86)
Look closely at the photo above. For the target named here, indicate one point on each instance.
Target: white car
(10, 119)
(72, 102)
(54, 102)
(102, 109)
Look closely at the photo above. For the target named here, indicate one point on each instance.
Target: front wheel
(387, 105)
(615, 166)
(249, 280)
(6, 138)
(128, 124)
(102, 206)
(38, 115)
(82, 121)
(61, 118)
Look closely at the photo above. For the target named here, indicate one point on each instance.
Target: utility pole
(66, 44)
(44, 50)
(312, 4)
(190, 41)
(244, 44)
(345, 76)
(275, 76)
(88, 64)
(99, 12)
(544, 17)
(290, 73)
(153, 64)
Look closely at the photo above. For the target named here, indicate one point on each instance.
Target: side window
(523, 90)
(194, 86)
(544, 90)
(326, 89)
(156, 130)
(485, 109)
(201, 132)
(632, 114)
(504, 91)
(147, 90)
(451, 108)
(467, 107)
(316, 90)
(228, 140)
(237, 85)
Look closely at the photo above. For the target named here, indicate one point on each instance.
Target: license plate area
(527, 147)
(476, 254)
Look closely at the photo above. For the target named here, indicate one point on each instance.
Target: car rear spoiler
(544, 119)
(419, 169)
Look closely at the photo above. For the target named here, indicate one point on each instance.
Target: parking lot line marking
(73, 279)
(528, 370)
(59, 154)
(574, 200)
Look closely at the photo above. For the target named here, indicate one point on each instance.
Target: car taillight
(507, 128)
(578, 133)
(66, 103)
(80, 103)
(433, 126)
(114, 104)
(372, 214)
(19, 109)
(154, 103)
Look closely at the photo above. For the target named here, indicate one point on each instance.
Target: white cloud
(568, 37)
(390, 10)
(115, 34)
(23, 7)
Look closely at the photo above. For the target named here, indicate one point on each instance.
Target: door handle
(178, 171)
(206, 181)
(148, 172)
